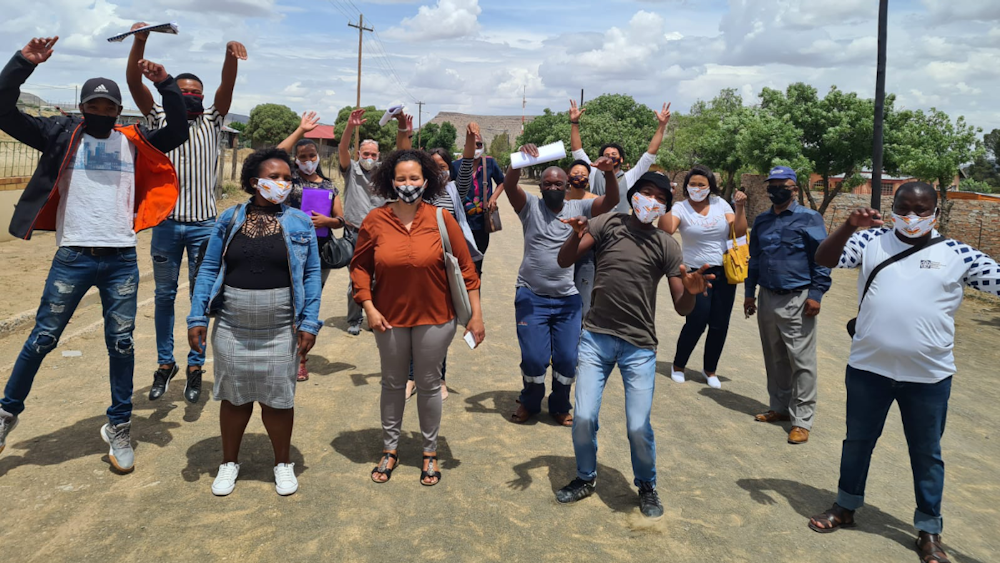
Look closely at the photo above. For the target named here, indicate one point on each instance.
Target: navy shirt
(783, 250)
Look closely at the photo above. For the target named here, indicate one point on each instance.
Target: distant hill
(238, 118)
(489, 125)
(30, 100)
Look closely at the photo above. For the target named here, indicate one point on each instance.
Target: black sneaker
(578, 489)
(649, 501)
(192, 391)
(161, 381)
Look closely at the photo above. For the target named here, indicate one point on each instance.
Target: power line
(381, 45)
(382, 58)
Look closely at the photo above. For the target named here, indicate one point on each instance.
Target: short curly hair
(699, 170)
(251, 166)
(383, 181)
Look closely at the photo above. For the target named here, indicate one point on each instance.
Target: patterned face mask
(275, 191)
(647, 209)
(368, 163)
(698, 194)
(579, 182)
(410, 194)
(913, 225)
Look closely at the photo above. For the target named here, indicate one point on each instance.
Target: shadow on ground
(614, 490)
(321, 366)
(365, 446)
(690, 375)
(809, 501)
(504, 403)
(256, 459)
(734, 401)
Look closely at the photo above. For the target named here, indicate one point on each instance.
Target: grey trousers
(426, 345)
(355, 314)
(789, 341)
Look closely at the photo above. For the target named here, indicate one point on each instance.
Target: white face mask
(409, 193)
(479, 153)
(698, 194)
(368, 163)
(275, 191)
(445, 177)
(647, 209)
(913, 225)
(308, 167)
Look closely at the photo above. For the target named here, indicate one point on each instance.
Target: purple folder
(320, 201)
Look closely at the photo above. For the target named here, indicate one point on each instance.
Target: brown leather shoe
(521, 415)
(771, 416)
(798, 435)
(564, 419)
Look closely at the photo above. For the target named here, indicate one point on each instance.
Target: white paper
(547, 153)
(389, 113)
(159, 28)
(72, 354)
(470, 340)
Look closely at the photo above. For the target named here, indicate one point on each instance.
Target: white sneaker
(713, 381)
(284, 479)
(225, 481)
(677, 376)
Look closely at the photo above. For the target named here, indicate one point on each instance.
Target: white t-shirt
(704, 237)
(97, 194)
(625, 179)
(906, 326)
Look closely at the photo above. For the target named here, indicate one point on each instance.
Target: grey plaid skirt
(255, 347)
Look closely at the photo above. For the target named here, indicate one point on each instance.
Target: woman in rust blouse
(410, 307)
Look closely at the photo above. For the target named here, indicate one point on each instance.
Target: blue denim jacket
(303, 260)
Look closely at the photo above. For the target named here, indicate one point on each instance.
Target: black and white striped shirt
(197, 163)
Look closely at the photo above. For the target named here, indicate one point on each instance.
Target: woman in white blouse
(706, 222)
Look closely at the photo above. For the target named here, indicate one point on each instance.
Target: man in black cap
(96, 186)
(632, 257)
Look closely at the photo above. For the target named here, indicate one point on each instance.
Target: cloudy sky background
(475, 56)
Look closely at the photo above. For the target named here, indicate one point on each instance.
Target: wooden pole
(361, 32)
(877, 149)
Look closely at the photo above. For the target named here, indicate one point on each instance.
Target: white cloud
(961, 10)
(448, 19)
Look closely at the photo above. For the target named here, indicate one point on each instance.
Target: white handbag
(456, 281)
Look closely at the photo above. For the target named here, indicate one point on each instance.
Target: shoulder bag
(336, 252)
(736, 260)
(456, 281)
(493, 223)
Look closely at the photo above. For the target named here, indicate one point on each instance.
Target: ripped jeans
(116, 276)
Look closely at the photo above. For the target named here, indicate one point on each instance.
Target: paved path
(734, 489)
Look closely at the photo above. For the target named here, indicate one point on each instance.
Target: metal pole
(420, 122)
(883, 19)
(581, 97)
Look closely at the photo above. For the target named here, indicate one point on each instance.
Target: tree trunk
(730, 186)
(828, 195)
(944, 205)
(809, 195)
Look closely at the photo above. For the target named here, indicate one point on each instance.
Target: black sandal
(430, 473)
(835, 518)
(383, 467)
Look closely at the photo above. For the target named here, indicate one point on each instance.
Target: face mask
(308, 167)
(194, 105)
(913, 225)
(616, 160)
(99, 126)
(779, 196)
(479, 153)
(368, 163)
(445, 177)
(410, 194)
(579, 182)
(647, 210)
(275, 191)
(553, 199)
(698, 194)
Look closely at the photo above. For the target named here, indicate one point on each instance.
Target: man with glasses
(480, 199)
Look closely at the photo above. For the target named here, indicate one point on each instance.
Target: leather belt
(99, 250)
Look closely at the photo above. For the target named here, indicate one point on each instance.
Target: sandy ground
(734, 490)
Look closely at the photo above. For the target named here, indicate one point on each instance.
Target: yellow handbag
(736, 260)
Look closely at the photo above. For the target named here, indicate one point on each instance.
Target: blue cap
(782, 173)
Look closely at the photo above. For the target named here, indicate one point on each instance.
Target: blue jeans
(548, 331)
(72, 274)
(598, 355)
(170, 239)
(923, 408)
(711, 311)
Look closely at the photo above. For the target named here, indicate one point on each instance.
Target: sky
(480, 56)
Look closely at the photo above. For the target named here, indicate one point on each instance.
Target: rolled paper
(547, 153)
(160, 28)
(389, 113)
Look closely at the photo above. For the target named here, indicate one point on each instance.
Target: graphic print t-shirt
(97, 194)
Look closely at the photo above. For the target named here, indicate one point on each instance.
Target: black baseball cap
(658, 180)
(100, 88)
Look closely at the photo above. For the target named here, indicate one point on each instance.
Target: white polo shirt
(906, 326)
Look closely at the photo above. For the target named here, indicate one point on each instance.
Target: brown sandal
(930, 549)
(771, 416)
(521, 415)
(833, 519)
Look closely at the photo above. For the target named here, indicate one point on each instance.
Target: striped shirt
(443, 199)
(197, 163)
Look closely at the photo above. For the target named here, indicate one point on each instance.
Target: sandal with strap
(430, 473)
(383, 467)
(930, 549)
(835, 518)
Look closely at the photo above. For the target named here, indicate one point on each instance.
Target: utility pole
(883, 18)
(361, 33)
(420, 121)
(581, 97)
(524, 101)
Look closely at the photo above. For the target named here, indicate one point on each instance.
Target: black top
(257, 257)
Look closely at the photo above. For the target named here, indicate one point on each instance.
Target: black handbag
(336, 253)
(852, 324)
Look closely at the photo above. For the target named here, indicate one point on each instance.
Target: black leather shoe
(161, 381)
(192, 391)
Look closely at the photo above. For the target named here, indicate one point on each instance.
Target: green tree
(241, 127)
(717, 143)
(976, 186)
(384, 136)
(428, 133)
(500, 150)
(445, 138)
(766, 139)
(985, 167)
(269, 124)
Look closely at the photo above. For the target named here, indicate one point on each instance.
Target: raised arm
(515, 194)
(356, 119)
(740, 221)
(612, 195)
(235, 52)
(831, 250)
(175, 132)
(23, 127)
(575, 142)
(404, 131)
(309, 122)
(133, 75)
(578, 244)
(662, 118)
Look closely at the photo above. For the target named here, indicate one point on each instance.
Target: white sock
(713, 381)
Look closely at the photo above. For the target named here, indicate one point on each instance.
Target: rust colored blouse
(412, 287)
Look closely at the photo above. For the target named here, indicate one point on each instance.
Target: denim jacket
(303, 261)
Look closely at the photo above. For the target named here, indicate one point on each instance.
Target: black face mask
(99, 126)
(779, 196)
(194, 105)
(553, 199)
